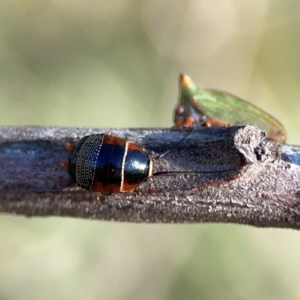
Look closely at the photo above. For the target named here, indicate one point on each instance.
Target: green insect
(208, 107)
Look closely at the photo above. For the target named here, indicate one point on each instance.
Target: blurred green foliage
(116, 64)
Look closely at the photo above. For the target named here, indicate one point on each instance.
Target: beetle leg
(64, 164)
(70, 147)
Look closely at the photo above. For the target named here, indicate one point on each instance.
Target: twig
(250, 181)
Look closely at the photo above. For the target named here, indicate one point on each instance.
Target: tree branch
(227, 175)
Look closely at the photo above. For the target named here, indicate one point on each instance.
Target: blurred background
(116, 64)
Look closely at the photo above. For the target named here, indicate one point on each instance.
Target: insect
(108, 164)
(208, 107)
(105, 163)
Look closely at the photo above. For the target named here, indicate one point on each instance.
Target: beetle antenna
(192, 172)
(163, 154)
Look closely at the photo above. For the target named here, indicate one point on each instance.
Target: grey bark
(221, 175)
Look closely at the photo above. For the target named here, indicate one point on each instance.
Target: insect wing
(222, 108)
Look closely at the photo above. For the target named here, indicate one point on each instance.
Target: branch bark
(224, 175)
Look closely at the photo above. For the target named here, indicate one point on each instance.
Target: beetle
(209, 107)
(106, 163)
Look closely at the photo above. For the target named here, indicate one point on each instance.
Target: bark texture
(221, 175)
